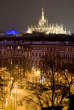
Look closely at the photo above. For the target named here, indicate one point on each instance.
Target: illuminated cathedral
(46, 28)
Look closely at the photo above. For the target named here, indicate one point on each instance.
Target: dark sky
(18, 14)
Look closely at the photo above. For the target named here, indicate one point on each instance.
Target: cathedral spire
(42, 14)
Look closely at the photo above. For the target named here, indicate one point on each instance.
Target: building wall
(16, 53)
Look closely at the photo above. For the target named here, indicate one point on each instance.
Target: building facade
(16, 51)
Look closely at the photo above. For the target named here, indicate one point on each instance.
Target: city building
(42, 45)
(23, 47)
(52, 41)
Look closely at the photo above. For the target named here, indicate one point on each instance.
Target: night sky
(19, 14)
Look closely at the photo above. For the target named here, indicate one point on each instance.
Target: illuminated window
(44, 53)
(29, 54)
(18, 47)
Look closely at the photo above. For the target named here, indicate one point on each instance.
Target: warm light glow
(11, 62)
(43, 26)
(6, 102)
(11, 95)
(38, 72)
(29, 31)
(18, 47)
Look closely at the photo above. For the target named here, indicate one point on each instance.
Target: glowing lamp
(12, 32)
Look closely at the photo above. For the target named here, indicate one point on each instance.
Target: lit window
(18, 47)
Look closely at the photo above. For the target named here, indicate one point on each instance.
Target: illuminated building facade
(42, 40)
(43, 26)
(14, 49)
